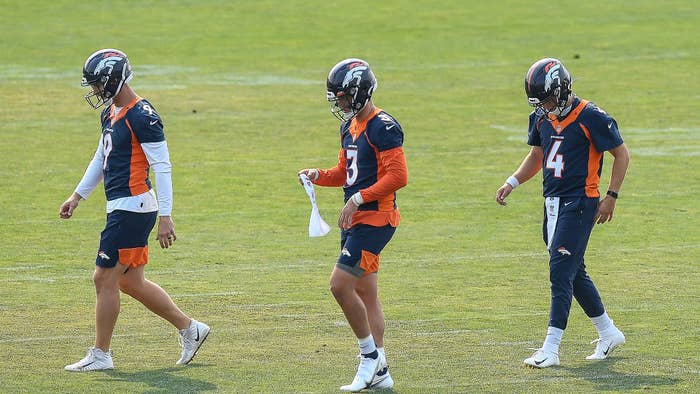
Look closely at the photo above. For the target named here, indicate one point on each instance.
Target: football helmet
(105, 72)
(548, 82)
(349, 87)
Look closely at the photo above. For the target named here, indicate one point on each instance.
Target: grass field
(464, 283)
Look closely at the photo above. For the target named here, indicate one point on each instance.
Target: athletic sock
(553, 339)
(367, 346)
(603, 324)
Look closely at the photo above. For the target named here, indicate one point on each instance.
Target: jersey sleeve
(396, 176)
(146, 123)
(385, 134)
(603, 129)
(334, 176)
(533, 130)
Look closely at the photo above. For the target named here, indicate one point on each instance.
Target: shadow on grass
(164, 380)
(601, 374)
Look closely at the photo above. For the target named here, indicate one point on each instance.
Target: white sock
(382, 352)
(603, 324)
(367, 345)
(553, 339)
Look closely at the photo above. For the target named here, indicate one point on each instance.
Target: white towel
(317, 227)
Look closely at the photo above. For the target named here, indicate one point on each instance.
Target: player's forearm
(92, 177)
(531, 165)
(395, 178)
(619, 167)
(164, 190)
(159, 159)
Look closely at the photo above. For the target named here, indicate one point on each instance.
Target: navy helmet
(548, 81)
(349, 87)
(105, 72)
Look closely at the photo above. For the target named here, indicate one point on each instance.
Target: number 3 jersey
(371, 161)
(132, 142)
(573, 148)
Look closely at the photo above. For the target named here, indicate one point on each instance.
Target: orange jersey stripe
(592, 179)
(138, 169)
(559, 126)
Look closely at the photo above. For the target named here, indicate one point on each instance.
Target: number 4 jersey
(573, 149)
(371, 161)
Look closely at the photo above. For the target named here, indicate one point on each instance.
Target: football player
(567, 137)
(131, 142)
(371, 168)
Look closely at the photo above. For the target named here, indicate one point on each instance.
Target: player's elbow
(402, 180)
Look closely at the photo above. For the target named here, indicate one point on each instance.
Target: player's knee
(340, 289)
(102, 280)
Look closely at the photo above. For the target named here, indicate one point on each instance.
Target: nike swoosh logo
(390, 127)
(605, 353)
(197, 339)
(152, 123)
(610, 125)
(540, 362)
(566, 204)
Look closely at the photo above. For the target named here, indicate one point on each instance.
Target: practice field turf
(464, 283)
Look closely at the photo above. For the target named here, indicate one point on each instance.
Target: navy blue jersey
(362, 144)
(125, 164)
(573, 149)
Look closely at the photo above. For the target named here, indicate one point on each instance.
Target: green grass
(240, 86)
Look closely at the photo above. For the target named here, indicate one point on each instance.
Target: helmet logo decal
(354, 73)
(107, 62)
(552, 70)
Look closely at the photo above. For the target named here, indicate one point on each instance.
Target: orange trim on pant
(369, 262)
(133, 257)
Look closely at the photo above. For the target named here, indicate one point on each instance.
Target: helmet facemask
(96, 96)
(344, 106)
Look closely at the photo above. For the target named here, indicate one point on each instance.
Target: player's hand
(312, 173)
(166, 232)
(345, 219)
(67, 208)
(502, 193)
(605, 210)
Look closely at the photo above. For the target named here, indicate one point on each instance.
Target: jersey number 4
(555, 161)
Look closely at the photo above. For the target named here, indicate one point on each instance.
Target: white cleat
(606, 345)
(542, 359)
(365, 374)
(96, 360)
(191, 340)
(382, 379)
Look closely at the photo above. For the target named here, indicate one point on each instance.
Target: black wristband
(612, 194)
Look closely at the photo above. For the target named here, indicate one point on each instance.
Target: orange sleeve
(333, 176)
(395, 175)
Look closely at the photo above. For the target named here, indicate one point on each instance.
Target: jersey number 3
(555, 161)
(351, 167)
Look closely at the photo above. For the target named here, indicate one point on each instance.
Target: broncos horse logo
(109, 61)
(552, 74)
(354, 73)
